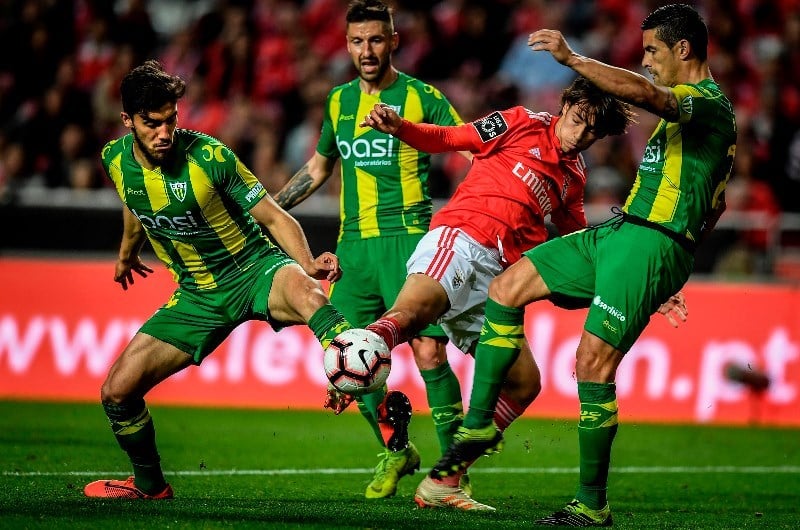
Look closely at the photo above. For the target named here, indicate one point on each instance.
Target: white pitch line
(748, 470)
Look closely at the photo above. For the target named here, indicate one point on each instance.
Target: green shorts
(374, 271)
(198, 320)
(621, 271)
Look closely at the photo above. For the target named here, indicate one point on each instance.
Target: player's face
(575, 130)
(659, 59)
(371, 44)
(154, 132)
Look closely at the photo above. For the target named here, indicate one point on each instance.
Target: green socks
(501, 338)
(136, 435)
(326, 323)
(368, 407)
(596, 430)
(444, 400)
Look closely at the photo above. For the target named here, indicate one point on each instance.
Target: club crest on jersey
(178, 190)
(491, 126)
(687, 105)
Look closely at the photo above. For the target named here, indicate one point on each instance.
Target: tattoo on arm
(295, 190)
(671, 112)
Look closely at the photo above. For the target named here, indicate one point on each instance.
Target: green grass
(224, 466)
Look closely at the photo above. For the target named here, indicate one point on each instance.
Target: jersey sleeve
(438, 139)
(694, 103)
(236, 179)
(438, 109)
(326, 145)
(480, 136)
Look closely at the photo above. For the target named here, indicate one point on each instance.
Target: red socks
(388, 329)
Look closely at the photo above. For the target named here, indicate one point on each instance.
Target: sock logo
(589, 416)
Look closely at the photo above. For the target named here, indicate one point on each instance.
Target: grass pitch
(308, 469)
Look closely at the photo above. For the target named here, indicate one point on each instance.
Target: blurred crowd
(258, 72)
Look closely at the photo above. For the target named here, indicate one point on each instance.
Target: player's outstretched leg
(467, 446)
(123, 489)
(436, 494)
(576, 513)
(401, 457)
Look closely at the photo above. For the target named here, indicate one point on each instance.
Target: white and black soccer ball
(357, 362)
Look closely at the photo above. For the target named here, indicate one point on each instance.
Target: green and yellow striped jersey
(384, 181)
(686, 164)
(195, 210)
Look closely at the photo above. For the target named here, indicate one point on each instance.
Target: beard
(156, 158)
(376, 76)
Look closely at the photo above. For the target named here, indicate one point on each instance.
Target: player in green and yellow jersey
(199, 207)
(385, 209)
(623, 270)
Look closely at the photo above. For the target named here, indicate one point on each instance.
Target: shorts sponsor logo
(491, 126)
(458, 279)
(611, 310)
(608, 326)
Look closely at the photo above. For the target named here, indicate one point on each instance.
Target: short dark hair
(148, 88)
(606, 114)
(366, 10)
(676, 22)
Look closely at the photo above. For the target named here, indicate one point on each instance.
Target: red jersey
(518, 176)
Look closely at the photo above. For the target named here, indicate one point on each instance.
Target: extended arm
(128, 261)
(306, 181)
(290, 237)
(624, 84)
(425, 137)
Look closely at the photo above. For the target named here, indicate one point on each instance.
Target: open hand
(123, 273)
(675, 309)
(382, 118)
(337, 401)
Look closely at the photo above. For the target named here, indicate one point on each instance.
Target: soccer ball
(357, 362)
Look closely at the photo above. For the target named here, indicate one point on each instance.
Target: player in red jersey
(527, 165)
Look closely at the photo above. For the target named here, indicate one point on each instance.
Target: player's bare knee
(595, 368)
(501, 290)
(312, 300)
(112, 393)
(428, 353)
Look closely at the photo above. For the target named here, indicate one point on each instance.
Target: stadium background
(258, 72)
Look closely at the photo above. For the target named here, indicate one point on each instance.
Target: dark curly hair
(606, 114)
(148, 88)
